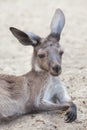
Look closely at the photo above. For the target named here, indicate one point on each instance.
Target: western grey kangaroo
(40, 89)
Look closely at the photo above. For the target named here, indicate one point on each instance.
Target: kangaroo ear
(25, 38)
(57, 24)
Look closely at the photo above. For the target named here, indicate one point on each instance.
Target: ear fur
(24, 38)
(57, 23)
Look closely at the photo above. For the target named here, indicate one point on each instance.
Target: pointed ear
(25, 38)
(57, 24)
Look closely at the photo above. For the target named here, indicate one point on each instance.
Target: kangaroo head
(47, 51)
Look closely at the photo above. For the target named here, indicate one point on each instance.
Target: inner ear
(34, 37)
(57, 24)
(24, 38)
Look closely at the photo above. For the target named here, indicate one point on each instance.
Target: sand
(35, 16)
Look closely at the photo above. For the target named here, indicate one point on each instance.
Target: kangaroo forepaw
(71, 114)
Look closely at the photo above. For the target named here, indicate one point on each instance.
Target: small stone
(83, 102)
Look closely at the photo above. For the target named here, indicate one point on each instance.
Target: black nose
(56, 68)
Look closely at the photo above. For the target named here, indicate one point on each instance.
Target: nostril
(57, 68)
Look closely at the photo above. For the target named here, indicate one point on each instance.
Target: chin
(55, 74)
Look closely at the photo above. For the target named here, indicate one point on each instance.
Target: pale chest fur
(51, 88)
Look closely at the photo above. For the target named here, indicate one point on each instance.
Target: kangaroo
(40, 89)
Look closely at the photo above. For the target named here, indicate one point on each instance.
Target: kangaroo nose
(56, 68)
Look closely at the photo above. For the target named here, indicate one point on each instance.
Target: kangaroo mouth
(56, 74)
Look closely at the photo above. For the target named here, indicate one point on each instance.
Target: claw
(70, 117)
(71, 114)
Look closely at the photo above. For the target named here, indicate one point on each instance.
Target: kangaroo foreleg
(49, 106)
(63, 97)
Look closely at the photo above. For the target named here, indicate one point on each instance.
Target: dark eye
(51, 44)
(61, 52)
(41, 55)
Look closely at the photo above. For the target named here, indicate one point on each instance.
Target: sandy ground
(35, 16)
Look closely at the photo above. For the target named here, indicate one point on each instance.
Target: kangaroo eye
(41, 55)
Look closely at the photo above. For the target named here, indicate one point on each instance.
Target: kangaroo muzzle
(55, 70)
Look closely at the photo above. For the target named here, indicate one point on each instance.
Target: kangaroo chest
(50, 88)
